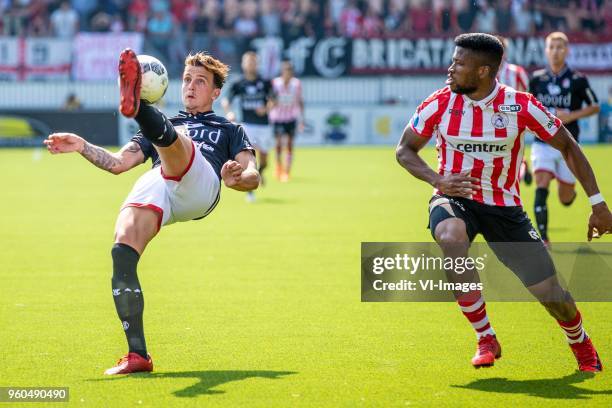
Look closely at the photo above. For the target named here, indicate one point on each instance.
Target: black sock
(260, 170)
(128, 298)
(541, 212)
(155, 126)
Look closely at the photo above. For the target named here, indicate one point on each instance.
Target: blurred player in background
(480, 126)
(255, 94)
(191, 153)
(564, 92)
(286, 116)
(516, 77)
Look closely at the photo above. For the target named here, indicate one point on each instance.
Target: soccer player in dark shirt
(567, 94)
(479, 125)
(255, 94)
(191, 154)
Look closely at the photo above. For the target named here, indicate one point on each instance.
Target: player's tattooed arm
(128, 157)
(100, 157)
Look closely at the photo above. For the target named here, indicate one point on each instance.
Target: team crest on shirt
(566, 83)
(499, 120)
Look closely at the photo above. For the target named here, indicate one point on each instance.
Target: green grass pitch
(259, 304)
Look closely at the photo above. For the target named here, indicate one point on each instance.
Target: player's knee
(136, 227)
(451, 231)
(542, 179)
(567, 199)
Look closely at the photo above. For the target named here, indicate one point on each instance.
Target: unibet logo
(480, 148)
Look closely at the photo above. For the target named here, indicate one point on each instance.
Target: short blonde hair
(557, 35)
(219, 70)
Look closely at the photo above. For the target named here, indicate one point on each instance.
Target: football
(154, 79)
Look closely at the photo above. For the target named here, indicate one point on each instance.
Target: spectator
(138, 13)
(607, 20)
(314, 18)
(442, 16)
(227, 46)
(184, 11)
(85, 9)
(65, 21)
(39, 27)
(159, 32)
(16, 17)
(373, 25)
(350, 20)
(485, 18)
(503, 16)
(466, 13)
(420, 17)
(522, 17)
(117, 25)
(246, 25)
(270, 19)
(72, 103)
(573, 16)
(590, 12)
(203, 26)
(396, 16)
(292, 23)
(101, 22)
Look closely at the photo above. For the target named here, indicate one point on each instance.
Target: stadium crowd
(173, 27)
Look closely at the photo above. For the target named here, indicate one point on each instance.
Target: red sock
(473, 307)
(573, 329)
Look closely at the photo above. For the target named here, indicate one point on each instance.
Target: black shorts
(284, 129)
(530, 260)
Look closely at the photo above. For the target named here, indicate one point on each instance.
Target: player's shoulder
(576, 75)
(540, 75)
(440, 95)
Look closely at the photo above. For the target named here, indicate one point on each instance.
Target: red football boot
(131, 363)
(586, 356)
(488, 351)
(130, 76)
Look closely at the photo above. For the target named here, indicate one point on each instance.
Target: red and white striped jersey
(484, 138)
(287, 108)
(513, 76)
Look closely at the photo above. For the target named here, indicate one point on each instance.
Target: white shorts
(260, 136)
(190, 196)
(548, 159)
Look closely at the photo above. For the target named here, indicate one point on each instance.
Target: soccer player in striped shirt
(286, 115)
(516, 77)
(479, 126)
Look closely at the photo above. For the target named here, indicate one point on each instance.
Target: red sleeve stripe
(512, 170)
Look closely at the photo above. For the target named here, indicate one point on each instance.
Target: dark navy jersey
(218, 139)
(567, 90)
(253, 95)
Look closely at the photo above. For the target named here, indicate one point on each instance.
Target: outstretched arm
(458, 185)
(241, 174)
(128, 157)
(600, 221)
